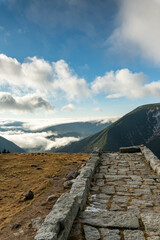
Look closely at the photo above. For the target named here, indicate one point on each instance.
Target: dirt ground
(44, 174)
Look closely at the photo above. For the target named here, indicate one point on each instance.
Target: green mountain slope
(81, 129)
(141, 126)
(9, 146)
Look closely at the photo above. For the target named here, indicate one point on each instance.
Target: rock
(19, 233)
(51, 198)
(72, 175)
(33, 165)
(68, 184)
(39, 168)
(15, 226)
(29, 195)
(36, 223)
(91, 233)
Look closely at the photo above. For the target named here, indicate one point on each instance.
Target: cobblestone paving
(123, 202)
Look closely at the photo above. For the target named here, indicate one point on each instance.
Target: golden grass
(17, 176)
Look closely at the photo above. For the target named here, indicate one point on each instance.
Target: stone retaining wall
(151, 158)
(58, 223)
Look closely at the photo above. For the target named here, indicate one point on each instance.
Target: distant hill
(141, 126)
(78, 130)
(9, 146)
(81, 129)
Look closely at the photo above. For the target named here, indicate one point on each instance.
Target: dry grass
(17, 176)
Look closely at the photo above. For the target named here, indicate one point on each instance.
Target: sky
(76, 59)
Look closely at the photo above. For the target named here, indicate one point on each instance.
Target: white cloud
(68, 82)
(38, 75)
(138, 28)
(26, 103)
(69, 107)
(124, 83)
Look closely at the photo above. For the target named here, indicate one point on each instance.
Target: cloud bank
(138, 28)
(124, 83)
(37, 141)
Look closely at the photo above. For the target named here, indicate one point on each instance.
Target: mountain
(141, 126)
(77, 129)
(66, 133)
(9, 146)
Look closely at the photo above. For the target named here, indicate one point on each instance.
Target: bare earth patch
(43, 174)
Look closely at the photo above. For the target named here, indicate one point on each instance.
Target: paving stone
(100, 183)
(121, 199)
(108, 190)
(143, 191)
(95, 188)
(110, 219)
(109, 234)
(91, 233)
(153, 238)
(144, 203)
(115, 207)
(102, 196)
(133, 235)
(134, 209)
(151, 222)
(136, 178)
(121, 189)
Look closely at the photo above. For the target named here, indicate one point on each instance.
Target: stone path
(123, 202)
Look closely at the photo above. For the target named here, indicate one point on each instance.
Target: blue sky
(77, 59)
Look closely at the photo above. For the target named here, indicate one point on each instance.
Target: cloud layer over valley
(37, 141)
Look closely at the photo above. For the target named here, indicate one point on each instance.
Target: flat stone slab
(109, 234)
(91, 233)
(151, 222)
(133, 235)
(104, 218)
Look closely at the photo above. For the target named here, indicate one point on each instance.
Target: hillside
(9, 146)
(140, 126)
(42, 173)
(81, 129)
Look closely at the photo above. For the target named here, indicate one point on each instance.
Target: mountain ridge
(9, 146)
(140, 126)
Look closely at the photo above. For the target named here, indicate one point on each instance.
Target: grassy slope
(17, 176)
